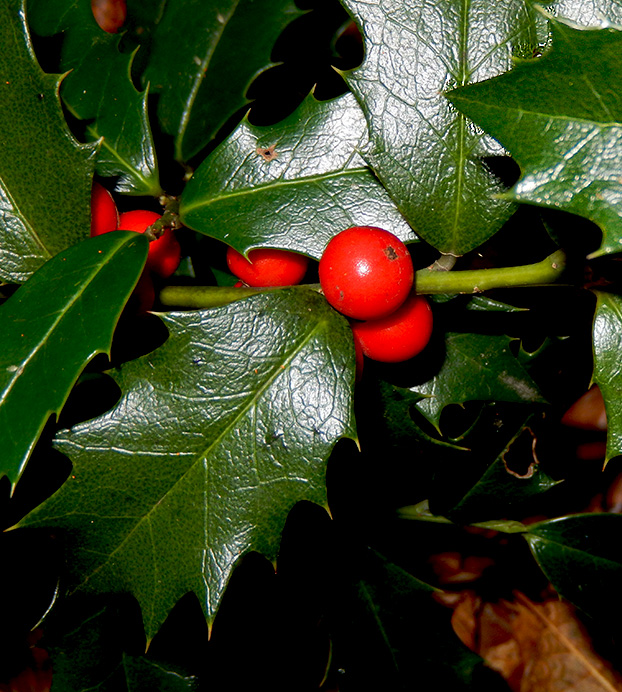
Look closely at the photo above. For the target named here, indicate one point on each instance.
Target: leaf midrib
(461, 144)
(530, 536)
(501, 106)
(97, 268)
(200, 456)
(275, 185)
(199, 79)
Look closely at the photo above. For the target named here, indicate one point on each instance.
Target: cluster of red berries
(366, 273)
(164, 253)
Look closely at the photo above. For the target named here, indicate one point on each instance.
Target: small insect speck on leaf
(268, 154)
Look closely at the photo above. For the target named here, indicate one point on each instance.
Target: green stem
(478, 280)
(169, 218)
(195, 297)
(427, 281)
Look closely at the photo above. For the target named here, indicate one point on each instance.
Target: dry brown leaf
(456, 568)
(536, 647)
(588, 412)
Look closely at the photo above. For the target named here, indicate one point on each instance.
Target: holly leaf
(426, 154)
(607, 345)
(560, 120)
(143, 675)
(581, 557)
(99, 88)
(217, 435)
(293, 185)
(399, 425)
(202, 80)
(476, 367)
(88, 640)
(389, 633)
(52, 327)
(500, 487)
(589, 14)
(486, 304)
(45, 175)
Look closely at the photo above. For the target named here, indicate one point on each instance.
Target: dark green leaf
(581, 556)
(390, 634)
(399, 425)
(202, 79)
(144, 675)
(476, 367)
(293, 185)
(425, 153)
(501, 488)
(607, 343)
(99, 88)
(485, 304)
(218, 434)
(498, 474)
(421, 512)
(52, 327)
(45, 175)
(560, 119)
(88, 641)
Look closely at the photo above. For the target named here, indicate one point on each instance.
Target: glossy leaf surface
(423, 151)
(587, 14)
(607, 344)
(292, 186)
(560, 119)
(52, 327)
(99, 89)
(476, 367)
(218, 434)
(45, 175)
(581, 557)
(202, 79)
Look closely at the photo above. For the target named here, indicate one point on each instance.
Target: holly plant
(232, 458)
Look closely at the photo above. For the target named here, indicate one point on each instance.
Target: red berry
(268, 267)
(398, 336)
(109, 14)
(104, 214)
(143, 297)
(366, 272)
(165, 252)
